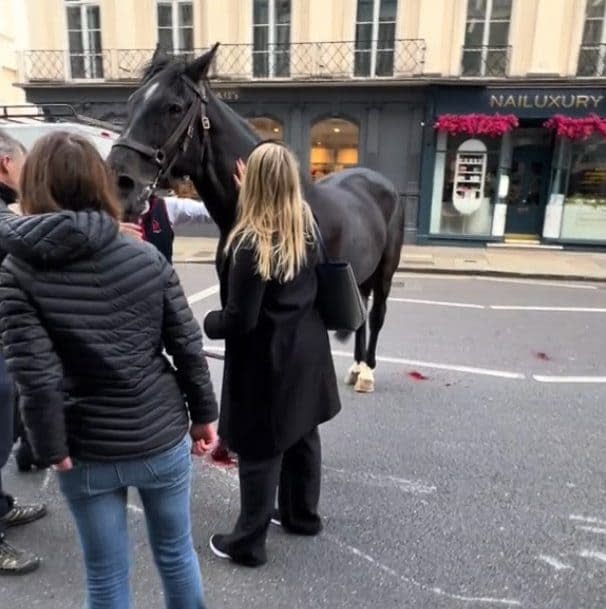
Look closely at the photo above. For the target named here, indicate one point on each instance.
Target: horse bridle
(165, 156)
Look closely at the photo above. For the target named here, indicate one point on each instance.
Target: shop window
(271, 38)
(267, 128)
(486, 38)
(176, 26)
(375, 37)
(464, 188)
(84, 39)
(592, 55)
(585, 191)
(334, 146)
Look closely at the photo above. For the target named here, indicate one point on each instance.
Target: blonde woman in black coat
(279, 380)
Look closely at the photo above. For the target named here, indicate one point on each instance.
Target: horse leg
(366, 377)
(382, 286)
(360, 348)
(365, 381)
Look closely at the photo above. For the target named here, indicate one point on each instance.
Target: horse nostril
(126, 183)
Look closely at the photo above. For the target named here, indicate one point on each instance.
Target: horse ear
(198, 69)
(160, 56)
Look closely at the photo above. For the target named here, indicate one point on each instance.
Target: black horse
(177, 127)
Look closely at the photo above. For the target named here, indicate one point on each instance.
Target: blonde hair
(272, 216)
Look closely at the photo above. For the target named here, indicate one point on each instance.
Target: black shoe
(219, 546)
(24, 456)
(276, 519)
(23, 514)
(16, 562)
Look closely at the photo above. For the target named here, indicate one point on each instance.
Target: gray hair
(9, 146)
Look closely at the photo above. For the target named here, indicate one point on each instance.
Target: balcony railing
(303, 61)
(485, 61)
(592, 60)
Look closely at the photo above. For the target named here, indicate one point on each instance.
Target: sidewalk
(508, 262)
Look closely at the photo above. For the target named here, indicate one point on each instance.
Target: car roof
(29, 123)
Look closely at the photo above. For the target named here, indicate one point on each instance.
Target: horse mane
(155, 66)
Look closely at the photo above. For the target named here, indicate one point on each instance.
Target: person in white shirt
(156, 224)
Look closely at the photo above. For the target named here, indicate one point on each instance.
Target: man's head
(12, 157)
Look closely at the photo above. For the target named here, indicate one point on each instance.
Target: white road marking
(544, 378)
(202, 295)
(493, 307)
(413, 275)
(437, 366)
(383, 481)
(589, 519)
(594, 554)
(47, 479)
(554, 562)
(595, 530)
(553, 284)
(419, 364)
(438, 303)
(548, 309)
(413, 582)
(135, 508)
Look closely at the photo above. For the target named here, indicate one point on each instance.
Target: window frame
(272, 50)
(485, 47)
(374, 49)
(176, 25)
(600, 67)
(87, 54)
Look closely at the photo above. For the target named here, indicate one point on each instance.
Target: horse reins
(165, 156)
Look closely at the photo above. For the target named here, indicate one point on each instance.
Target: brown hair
(65, 171)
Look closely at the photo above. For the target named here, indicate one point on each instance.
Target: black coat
(279, 379)
(85, 313)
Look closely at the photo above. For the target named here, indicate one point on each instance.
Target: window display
(585, 203)
(464, 185)
(334, 147)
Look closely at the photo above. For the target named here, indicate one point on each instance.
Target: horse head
(176, 127)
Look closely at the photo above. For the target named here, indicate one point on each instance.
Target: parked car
(28, 123)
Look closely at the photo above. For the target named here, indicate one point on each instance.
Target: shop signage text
(552, 101)
(227, 95)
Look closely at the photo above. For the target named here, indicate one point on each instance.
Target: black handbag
(339, 300)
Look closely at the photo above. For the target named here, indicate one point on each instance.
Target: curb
(459, 272)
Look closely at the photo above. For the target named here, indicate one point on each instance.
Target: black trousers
(7, 433)
(297, 475)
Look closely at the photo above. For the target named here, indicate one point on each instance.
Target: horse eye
(175, 109)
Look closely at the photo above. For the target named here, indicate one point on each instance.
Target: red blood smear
(222, 456)
(543, 356)
(417, 376)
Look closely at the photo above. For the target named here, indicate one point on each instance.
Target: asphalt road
(481, 485)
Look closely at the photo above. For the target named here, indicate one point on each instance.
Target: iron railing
(485, 61)
(592, 60)
(310, 61)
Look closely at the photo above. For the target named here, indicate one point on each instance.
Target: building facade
(480, 111)
(13, 40)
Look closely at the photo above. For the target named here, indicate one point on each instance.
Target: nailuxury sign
(539, 103)
(550, 101)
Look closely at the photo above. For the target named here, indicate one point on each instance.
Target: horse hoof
(351, 378)
(366, 380)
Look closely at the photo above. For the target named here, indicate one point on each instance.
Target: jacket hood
(56, 238)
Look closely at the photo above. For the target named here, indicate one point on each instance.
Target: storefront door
(528, 188)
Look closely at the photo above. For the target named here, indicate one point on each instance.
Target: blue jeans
(96, 493)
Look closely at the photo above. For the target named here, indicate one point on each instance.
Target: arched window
(334, 146)
(267, 128)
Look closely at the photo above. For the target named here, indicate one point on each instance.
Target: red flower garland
(476, 124)
(577, 128)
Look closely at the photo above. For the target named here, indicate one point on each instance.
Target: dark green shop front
(528, 184)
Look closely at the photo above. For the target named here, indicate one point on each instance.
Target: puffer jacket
(85, 314)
